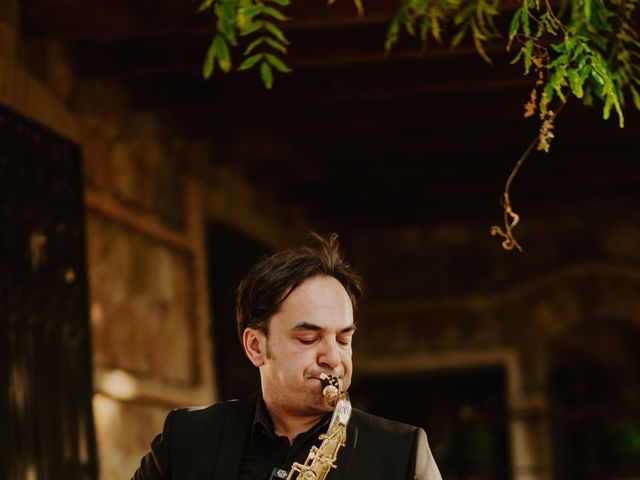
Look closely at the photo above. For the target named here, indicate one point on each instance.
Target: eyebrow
(315, 328)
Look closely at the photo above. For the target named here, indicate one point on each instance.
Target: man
(295, 322)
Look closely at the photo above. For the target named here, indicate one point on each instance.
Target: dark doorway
(45, 369)
(463, 412)
(231, 254)
(595, 402)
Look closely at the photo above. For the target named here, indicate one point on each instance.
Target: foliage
(255, 21)
(429, 18)
(589, 49)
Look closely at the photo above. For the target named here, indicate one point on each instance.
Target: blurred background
(135, 196)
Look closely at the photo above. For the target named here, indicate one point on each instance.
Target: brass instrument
(322, 459)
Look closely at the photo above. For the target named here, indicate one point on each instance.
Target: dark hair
(273, 278)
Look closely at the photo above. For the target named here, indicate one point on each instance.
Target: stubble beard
(313, 401)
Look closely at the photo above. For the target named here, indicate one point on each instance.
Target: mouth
(335, 380)
(322, 376)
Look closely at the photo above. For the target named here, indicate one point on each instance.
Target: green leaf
(436, 29)
(587, 100)
(515, 24)
(392, 36)
(277, 63)
(282, 3)
(548, 91)
(204, 5)
(606, 111)
(575, 83)
(257, 42)
(636, 96)
(249, 28)
(209, 61)
(587, 10)
(585, 71)
(478, 37)
(597, 76)
(517, 57)
(458, 37)
(526, 27)
(528, 56)
(272, 12)
(481, 25)
(250, 11)
(558, 89)
(250, 61)
(410, 28)
(246, 14)
(276, 45)
(616, 104)
(276, 32)
(228, 11)
(560, 61)
(222, 53)
(465, 14)
(226, 27)
(267, 75)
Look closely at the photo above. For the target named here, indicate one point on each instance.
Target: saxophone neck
(341, 412)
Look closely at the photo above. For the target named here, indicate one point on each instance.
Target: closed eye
(308, 341)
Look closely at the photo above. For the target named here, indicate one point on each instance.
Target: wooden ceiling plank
(108, 19)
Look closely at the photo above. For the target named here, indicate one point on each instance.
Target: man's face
(310, 334)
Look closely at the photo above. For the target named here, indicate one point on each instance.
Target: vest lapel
(233, 439)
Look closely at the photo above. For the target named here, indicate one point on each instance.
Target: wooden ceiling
(356, 138)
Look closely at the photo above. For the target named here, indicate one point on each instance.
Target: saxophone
(322, 459)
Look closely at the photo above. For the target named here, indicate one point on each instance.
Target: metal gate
(46, 422)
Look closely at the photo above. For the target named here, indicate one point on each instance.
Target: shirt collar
(262, 422)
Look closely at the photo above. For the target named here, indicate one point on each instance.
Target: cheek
(299, 362)
(346, 354)
(346, 361)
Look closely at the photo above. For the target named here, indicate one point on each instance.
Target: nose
(328, 354)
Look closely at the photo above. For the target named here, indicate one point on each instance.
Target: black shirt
(266, 452)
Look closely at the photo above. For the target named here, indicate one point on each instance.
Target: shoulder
(399, 442)
(188, 432)
(383, 448)
(215, 409)
(204, 418)
(382, 425)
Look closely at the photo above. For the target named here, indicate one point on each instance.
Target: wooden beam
(357, 116)
(179, 53)
(95, 19)
(394, 79)
(104, 19)
(72, 19)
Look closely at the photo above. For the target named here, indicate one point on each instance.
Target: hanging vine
(587, 49)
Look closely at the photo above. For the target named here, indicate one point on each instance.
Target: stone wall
(148, 194)
(448, 297)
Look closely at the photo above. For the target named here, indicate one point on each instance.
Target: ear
(255, 346)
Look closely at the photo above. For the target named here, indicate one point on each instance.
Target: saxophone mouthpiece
(330, 388)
